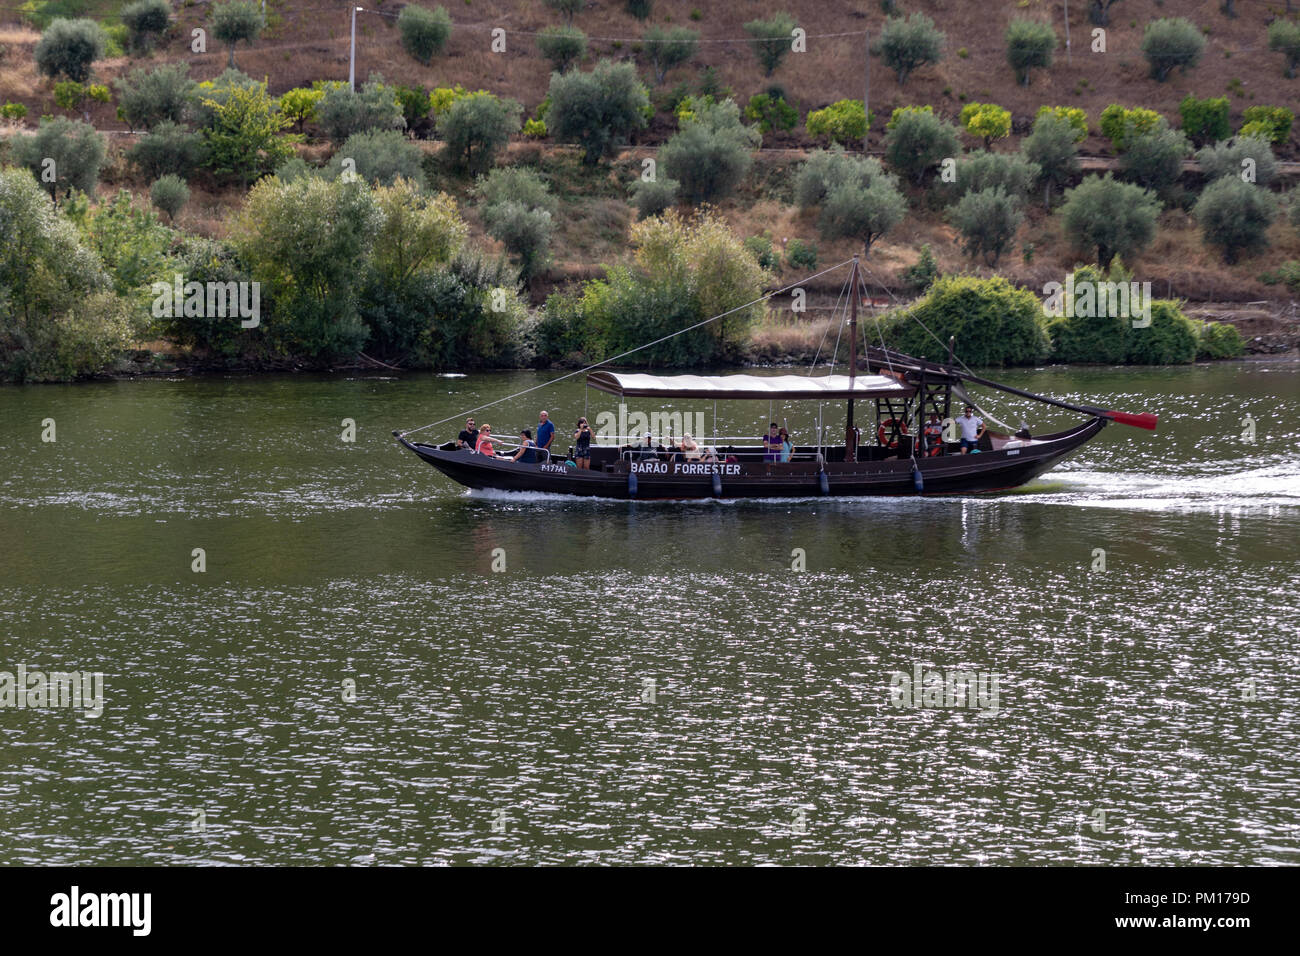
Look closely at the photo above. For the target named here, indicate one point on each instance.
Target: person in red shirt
(484, 446)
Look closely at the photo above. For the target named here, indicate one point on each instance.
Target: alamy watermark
(933, 688)
(1089, 300)
(610, 426)
(208, 300)
(34, 689)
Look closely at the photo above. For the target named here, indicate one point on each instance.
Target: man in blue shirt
(545, 433)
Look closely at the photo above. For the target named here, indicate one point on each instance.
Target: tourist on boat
(690, 450)
(648, 450)
(468, 438)
(787, 446)
(582, 453)
(972, 430)
(545, 431)
(527, 452)
(772, 444)
(484, 444)
(932, 433)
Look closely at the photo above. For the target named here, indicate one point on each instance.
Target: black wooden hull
(989, 471)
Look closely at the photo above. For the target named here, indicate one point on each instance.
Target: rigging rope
(615, 358)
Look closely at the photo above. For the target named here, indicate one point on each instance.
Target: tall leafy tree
(235, 21)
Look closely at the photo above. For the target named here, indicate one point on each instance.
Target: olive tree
(1154, 159)
(476, 127)
(1112, 217)
(866, 213)
(145, 21)
(1054, 147)
(563, 46)
(711, 153)
(907, 43)
(772, 39)
(596, 110)
(342, 112)
(168, 148)
(163, 94)
(170, 194)
(917, 140)
(69, 48)
(1234, 216)
(987, 220)
(1169, 43)
(379, 155)
(666, 48)
(1284, 37)
(1249, 158)
(519, 210)
(424, 32)
(235, 21)
(63, 155)
(1029, 44)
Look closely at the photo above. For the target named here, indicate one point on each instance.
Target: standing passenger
(583, 450)
(545, 432)
(772, 444)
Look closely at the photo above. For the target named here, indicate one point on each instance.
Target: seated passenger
(690, 450)
(932, 434)
(527, 452)
(468, 438)
(484, 444)
(647, 449)
(710, 454)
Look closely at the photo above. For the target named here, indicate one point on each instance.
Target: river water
(348, 680)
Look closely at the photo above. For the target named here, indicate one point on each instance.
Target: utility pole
(851, 433)
(1068, 58)
(352, 58)
(866, 88)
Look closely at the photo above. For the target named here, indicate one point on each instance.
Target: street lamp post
(352, 57)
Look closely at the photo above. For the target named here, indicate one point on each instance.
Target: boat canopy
(717, 387)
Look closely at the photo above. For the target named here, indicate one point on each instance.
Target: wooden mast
(851, 433)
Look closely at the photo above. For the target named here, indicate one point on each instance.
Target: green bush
(1075, 117)
(69, 48)
(1053, 146)
(1169, 43)
(1170, 339)
(771, 113)
(244, 140)
(918, 141)
(299, 105)
(987, 220)
(379, 155)
(843, 122)
(424, 32)
(159, 95)
(596, 110)
(1120, 125)
(519, 210)
(1271, 122)
(760, 247)
(73, 147)
(772, 39)
(908, 43)
(651, 197)
(865, 213)
(1284, 36)
(666, 48)
(1205, 121)
(413, 101)
(476, 127)
(801, 255)
(640, 9)
(1091, 334)
(994, 323)
(1154, 159)
(1234, 216)
(1218, 340)
(988, 121)
(1114, 218)
(980, 170)
(13, 111)
(1029, 44)
(207, 260)
(711, 153)
(1247, 157)
(563, 46)
(170, 194)
(168, 149)
(146, 21)
(919, 275)
(237, 20)
(342, 112)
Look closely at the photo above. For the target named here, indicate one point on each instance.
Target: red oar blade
(1144, 420)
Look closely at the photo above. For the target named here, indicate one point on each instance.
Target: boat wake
(1271, 486)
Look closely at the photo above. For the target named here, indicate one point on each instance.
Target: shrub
(1219, 340)
(827, 168)
(1234, 216)
(1053, 146)
(476, 127)
(69, 48)
(1170, 339)
(1271, 122)
(237, 20)
(988, 121)
(13, 111)
(994, 322)
(801, 255)
(771, 113)
(908, 43)
(209, 94)
(866, 213)
(987, 220)
(244, 140)
(640, 9)
(1029, 44)
(1077, 119)
(379, 155)
(711, 153)
(72, 96)
(919, 140)
(651, 197)
(563, 46)
(535, 128)
(1246, 157)
(168, 149)
(169, 193)
(844, 121)
(1099, 11)
(920, 274)
(444, 97)
(596, 110)
(1284, 36)
(667, 48)
(1112, 217)
(145, 21)
(1205, 121)
(1011, 172)
(1120, 124)
(1092, 334)
(413, 101)
(160, 95)
(1169, 43)
(424, 32)
(342, 112)
(773, 38)
(566, 8)
(1155, 159)
(76, 150)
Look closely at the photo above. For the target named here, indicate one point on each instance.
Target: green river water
(350, 681)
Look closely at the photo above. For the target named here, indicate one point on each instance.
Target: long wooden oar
(1140, 420)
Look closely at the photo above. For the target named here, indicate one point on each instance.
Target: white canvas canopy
(721, 387)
